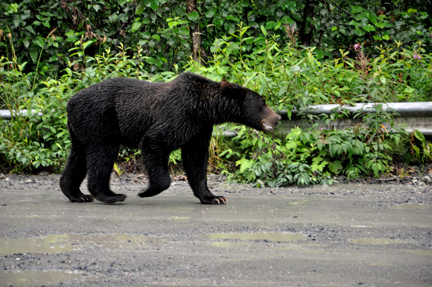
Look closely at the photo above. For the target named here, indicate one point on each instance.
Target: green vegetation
(358, 57)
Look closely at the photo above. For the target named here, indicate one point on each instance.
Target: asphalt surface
(342, 235)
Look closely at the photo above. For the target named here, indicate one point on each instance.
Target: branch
(340, 8)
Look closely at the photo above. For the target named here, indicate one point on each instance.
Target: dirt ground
(341, 235)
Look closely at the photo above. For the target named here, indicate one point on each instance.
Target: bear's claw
(214, 200)
(81, 198)
(112, 199)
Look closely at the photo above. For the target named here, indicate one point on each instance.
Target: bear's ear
(225, 86)
(228, 89)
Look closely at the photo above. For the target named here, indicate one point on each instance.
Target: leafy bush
(162, 28)
(309, 156)
(289, 76)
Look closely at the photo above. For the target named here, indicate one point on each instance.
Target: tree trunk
(198, 53)
(306, 34)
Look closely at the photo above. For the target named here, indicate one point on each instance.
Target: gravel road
(340, 235)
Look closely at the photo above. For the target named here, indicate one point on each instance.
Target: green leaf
(369, 28)
(140, 8)
(263, 30)
(282, 90)
(233, 18)
(172, 24)
(154, 4)
(30, 29)
(194, 16)
(354, 23)
(409, 90)
(386, 37)
(359, 32)
(26, 43)
(380, 25)
(39, 41)
(295, 68)
(270, 25)
(419, 136)
(335, 167)
(210, 13)
(33, 55)
(356, 9)
(151, 60)
(288, 20)
(372, 17)
(244, 3)
(156, 37)
(69, 72)
(88, 43)
(136, 26)
(245, 164)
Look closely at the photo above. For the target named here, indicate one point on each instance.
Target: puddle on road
(61, 243)
(35, 278)
(225, 244)
(180, 218)
(420, 252)
(377, 241)
(272, 236)
(298, 202)
(381, 264)
(411, 206)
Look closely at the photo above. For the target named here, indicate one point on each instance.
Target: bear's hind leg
(100, 161)
(74, 174)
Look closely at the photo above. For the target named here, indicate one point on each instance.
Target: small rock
(422, 183)
(427, 179)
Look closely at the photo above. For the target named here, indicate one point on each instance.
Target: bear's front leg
(195, 156)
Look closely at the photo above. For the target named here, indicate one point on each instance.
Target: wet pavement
(343, 235)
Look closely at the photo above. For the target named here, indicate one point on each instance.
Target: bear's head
(250, 108)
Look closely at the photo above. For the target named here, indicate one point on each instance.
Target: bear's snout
(271, 120)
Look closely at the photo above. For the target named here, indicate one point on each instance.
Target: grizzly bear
(158, 118)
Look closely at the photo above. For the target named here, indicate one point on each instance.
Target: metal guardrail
(416, 115)
(406, 109)
(7, 114)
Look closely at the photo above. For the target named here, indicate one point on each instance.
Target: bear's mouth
(267, 127)
(269, 120)
(269, 124)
